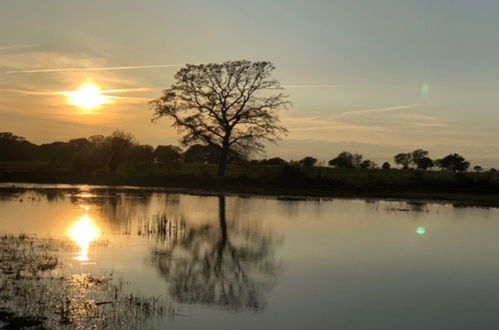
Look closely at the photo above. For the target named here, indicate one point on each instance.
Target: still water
(229, 262)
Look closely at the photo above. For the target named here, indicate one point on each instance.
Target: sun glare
(84, 231)
(88, 96)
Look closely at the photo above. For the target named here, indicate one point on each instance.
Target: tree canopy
(230, 106)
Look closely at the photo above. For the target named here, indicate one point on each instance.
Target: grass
(35, 292)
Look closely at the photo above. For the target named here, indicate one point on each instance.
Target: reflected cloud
(83, 232)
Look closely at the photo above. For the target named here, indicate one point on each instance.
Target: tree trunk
(222, 163)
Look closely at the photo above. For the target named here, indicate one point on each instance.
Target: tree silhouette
(454, 163)
(307, 161)
(168, 154)
(477, 168)
(386, 166)
(403, 159)
(346, 159)
(368, 164)
(226, 264)
(424, 163)
(13, 147)
(201, 154)
(276, 161)
(229, 106)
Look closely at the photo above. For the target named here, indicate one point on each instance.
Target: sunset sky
(376, 77)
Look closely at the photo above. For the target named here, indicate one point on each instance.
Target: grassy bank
(465, 189)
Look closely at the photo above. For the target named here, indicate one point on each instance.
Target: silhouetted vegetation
(454, 163)
(346, 160)
(226, 106)
(120, 159)
(308, 161)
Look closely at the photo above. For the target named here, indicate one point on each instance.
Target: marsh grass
(160, 227)
(37, 292)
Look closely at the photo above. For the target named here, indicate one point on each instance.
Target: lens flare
(83, 231)
(421, 231)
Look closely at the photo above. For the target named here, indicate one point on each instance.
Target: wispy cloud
(109, 68)
(381, 110)
(104, 91)
(8, 47)
(28, 92)
(315, 86)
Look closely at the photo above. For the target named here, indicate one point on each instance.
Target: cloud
(104, 91)
(381, 110)
(315, 86)
(27, 92)
(8, 47)
(109, 68)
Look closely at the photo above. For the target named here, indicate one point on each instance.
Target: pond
(239, 262)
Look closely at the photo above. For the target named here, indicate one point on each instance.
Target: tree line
(121, 149)
(105, 153)
(417, 159)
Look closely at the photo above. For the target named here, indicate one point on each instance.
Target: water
(265, 263)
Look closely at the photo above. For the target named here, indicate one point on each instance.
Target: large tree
(454, 163)
(230, 106)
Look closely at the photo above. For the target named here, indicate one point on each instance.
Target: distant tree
(13, 147)
(142, 154)
(346, 159)
(229, 106)
(492, 170)
(202, 154)
(118, 147)
(368, 164)
(56, 152)
(424, 163)
(307, 161)
(417, 155)
(168, 154)
(403, 159)
(276, 161)
(386, 166)
(454, 163)
(477, 168)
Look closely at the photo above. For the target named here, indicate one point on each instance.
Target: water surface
(228, 262)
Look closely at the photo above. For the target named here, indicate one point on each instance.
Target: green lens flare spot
(421, 231)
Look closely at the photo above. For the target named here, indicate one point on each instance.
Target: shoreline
(456, 198)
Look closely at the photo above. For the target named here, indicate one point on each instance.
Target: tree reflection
(229, 264)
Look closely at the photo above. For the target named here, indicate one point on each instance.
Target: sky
(375, 77)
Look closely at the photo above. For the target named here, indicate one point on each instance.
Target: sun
(88, 96)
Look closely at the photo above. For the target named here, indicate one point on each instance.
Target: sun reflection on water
(83, 231)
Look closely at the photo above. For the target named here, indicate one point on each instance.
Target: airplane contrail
(109, 68)
(381, 110)
(42, 93)
(315, 86)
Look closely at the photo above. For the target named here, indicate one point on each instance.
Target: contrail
(381, 110)
(104, 91)
(27, 92)
(109, 68)
(315, 86)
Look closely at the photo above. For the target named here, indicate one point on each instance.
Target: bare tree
(231, 106)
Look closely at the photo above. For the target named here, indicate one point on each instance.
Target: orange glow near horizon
(88, 96)
(83, 231)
